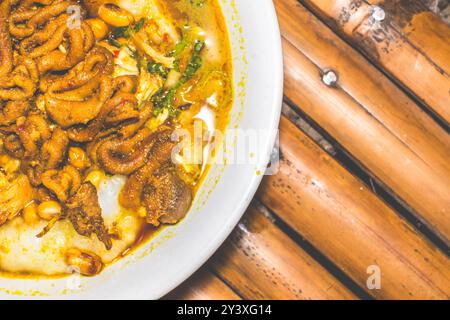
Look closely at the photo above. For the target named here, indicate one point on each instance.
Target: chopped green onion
(195, 63)
(114, 42)
(138, 26)
(156, 68)
(163, 99)
(176, 65)
(198, 46)
(122, 32)
(181, 45)
(125, 31)
(133, 53)
(197, 3)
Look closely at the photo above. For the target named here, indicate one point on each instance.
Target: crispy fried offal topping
(15, 194)
(59, 101)
(84, 211)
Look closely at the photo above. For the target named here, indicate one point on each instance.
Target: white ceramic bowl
(162, 264)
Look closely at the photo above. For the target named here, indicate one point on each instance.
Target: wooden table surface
(363, 188)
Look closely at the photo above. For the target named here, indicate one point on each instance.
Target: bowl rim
(274, 95)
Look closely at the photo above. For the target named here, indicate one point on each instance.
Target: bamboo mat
(363, 186)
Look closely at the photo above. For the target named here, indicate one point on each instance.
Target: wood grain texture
(421, 27)
(349, 224)
(262, 262)
(411, 43)
(371, 118)
(441, 7)
(203, 285)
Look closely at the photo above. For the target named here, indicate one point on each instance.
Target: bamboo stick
(422, 28)
(387, 157)
(203, 285)
(368, 116)
(440, 7)
(262, 262)
(351, 226)
(379, 96)
(407, 40)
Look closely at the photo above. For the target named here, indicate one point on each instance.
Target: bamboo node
(377, 13)
(330, 78)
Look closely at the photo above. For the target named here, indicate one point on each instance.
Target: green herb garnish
(114, 42)
(133, 53)
(125, 31)
(181, 45)
(138, 25)
(122, 32)
(194, 63)
(176, 65)
(197, 3)
(163, 99)
(157, 68)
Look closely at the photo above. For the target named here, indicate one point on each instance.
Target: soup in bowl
(113, 113)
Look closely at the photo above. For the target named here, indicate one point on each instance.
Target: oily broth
(212, 83)
(208, 17)
(212, 21)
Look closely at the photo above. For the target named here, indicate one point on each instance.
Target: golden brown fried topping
(13, 110)
(64, 108)
(166, 198)
(15, 195)
(62, 183)
(21, 83)
(54, 149)
(78, 97)
(84, 211)
(48, 35)
(120, 108)
(32, 131)
(158, 155)
(156, 185)
(18, 75)
(124, 156)
(6, 55)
